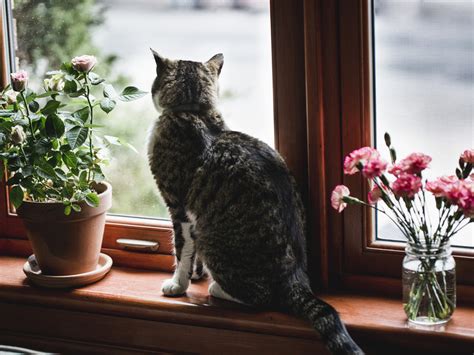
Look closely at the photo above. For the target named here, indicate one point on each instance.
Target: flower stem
(28, 114)
(91, 112)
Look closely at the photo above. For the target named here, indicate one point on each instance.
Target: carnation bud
(18, 135)
(19, 80)
(388, 140)
(393, 155)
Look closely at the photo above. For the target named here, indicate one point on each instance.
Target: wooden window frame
(322, 111)
(339, 119)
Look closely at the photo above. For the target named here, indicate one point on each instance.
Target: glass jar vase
(429, 284)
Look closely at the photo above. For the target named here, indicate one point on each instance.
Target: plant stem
(28, 114)
(91, 112)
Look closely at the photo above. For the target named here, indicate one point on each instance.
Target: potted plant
(53, 154)
(428, 270)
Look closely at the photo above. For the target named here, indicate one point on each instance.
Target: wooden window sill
(55, 320)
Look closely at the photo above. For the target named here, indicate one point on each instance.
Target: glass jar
(429, 284)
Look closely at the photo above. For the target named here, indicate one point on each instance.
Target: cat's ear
(160, 62)
(216, 62)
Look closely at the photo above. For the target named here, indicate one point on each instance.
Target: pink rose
(84, 63)
(19, 80)
(415, 163)
(406, 185)
(359, 156)
(374, 195)
(374, 167)
(468, 156)
(337, 197)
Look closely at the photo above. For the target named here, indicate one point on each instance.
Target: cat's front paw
(172, 288)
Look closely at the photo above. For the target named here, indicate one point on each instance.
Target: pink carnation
(461, 193)
(374, 195)
(337, 197)
(415, 163)
(362, 156)
(84, 63)
(468, 156)
(19, 80)
(374, 167)
(440, 186)
(406, 185)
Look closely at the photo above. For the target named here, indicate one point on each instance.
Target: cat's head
(181, 83)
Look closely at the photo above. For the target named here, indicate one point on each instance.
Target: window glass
(120, 33)
(424, 63)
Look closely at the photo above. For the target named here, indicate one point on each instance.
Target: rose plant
(49, 142)
(405, 198)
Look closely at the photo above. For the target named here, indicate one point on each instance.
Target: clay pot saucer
(34, 274)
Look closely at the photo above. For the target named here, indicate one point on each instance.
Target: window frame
(322, 110)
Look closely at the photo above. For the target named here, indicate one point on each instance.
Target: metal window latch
(146, 246)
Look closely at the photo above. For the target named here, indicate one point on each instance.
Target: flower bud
(388, 140)
(84, 63)
(18, 135)
(11, 97)
(49, 183)
(19, 80)
(53, 84)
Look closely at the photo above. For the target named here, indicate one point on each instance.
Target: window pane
(423, 53)
(120, 33)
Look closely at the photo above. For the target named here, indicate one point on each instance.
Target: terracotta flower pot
(66, 245)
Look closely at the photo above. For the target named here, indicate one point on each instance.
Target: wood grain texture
(126, 309)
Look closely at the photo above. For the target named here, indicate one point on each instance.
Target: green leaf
(16, 196)
(92, 199)
(95, 79)
(70, 86)
(131, 147)
(42, 146)
(34, 106)
(68, 68)
(46, 94)
(70, 159)
(76, 207)
(67, 210)
(50, 107)
(60, 174)
(15, 179)
(54, 126)
(82, 114)
(112, 140)
(45, 170)
(107, 104)
(76, 136)
(109, 91)
(131, 93)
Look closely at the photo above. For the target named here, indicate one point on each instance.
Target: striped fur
(232, 199)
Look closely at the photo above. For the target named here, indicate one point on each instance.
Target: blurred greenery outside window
(119, 33)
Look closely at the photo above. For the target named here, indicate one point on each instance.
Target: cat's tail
(323, 317)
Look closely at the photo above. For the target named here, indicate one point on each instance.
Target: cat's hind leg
(185, 253)
(215, 290)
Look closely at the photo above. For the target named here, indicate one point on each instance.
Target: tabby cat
(233, 203)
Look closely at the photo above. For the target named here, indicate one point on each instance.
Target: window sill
(93, 314)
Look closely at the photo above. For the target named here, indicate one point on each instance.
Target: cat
(233, 203)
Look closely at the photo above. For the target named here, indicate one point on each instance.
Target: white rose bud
(18, 135)
(11, 97)
(19, 80)
(53, 84)
(84, 63)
